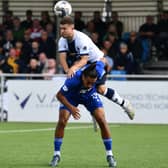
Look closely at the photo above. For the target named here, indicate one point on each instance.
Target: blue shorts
(91, 102)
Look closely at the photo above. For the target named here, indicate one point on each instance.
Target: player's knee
(62, 123)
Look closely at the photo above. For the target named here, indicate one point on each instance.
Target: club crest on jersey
(64, 88)
(84, 48)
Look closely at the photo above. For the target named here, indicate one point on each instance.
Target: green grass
(134, 146)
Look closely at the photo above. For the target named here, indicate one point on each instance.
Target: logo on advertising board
(23, 101)
(40, 100)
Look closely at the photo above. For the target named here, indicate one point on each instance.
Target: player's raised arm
(78, 64)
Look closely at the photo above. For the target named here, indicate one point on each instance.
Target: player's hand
(71, 73)
(75, 113)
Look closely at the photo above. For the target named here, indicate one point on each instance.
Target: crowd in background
(29, 46)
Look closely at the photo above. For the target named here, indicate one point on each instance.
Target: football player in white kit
(76, 50)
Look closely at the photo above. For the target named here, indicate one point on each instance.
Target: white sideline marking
(26, 130)
(47, 129)
(41, 130)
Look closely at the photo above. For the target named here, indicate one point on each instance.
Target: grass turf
(134, 146)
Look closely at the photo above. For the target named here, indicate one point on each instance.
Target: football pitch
(30, 145)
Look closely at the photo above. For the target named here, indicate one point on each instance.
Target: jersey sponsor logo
(82, 91)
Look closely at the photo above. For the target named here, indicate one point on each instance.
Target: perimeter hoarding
(34, 100)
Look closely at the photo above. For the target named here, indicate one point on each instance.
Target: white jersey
(79, 46)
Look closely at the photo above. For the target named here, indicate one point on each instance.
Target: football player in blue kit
(76, 49)
(81, 89)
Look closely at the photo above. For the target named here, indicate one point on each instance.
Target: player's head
(89, 76)
(67, 27)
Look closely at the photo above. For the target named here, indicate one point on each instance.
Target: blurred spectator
(149, 29)
(118, 24)
(35, 50)
(47, 45)
(28, 22)
(162, 39)
(111, 29)
(135, 46)
(9, 42)
(2, 30)
(51, 69)
(1, 49)
(36, 30)
(18, 48)
(95, 38)
(50, 31)
(108, 58)
(90, 28)
(45, 19)
(99, 24)
(8, 20)
(43, 62)
(112, 38)
(79, 23)
(148, 32)
(124, 60)
(12, 61)
(18, 31)
(33, 68)
(1, 40)
(27, 47)
(163, 23)
(19, 55)
(4, 67)
(106, 46)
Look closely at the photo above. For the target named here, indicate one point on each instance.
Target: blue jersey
(73, 87)
(76, 93)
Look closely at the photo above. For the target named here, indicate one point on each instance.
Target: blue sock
(108, 143)
(57, 144)
(108, 146)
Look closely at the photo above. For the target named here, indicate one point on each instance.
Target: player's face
(88, 82)
(66, 30)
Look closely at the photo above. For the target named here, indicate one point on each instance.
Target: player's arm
(63, 62)
(79, 64)
(63, 49)
(74, 110)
